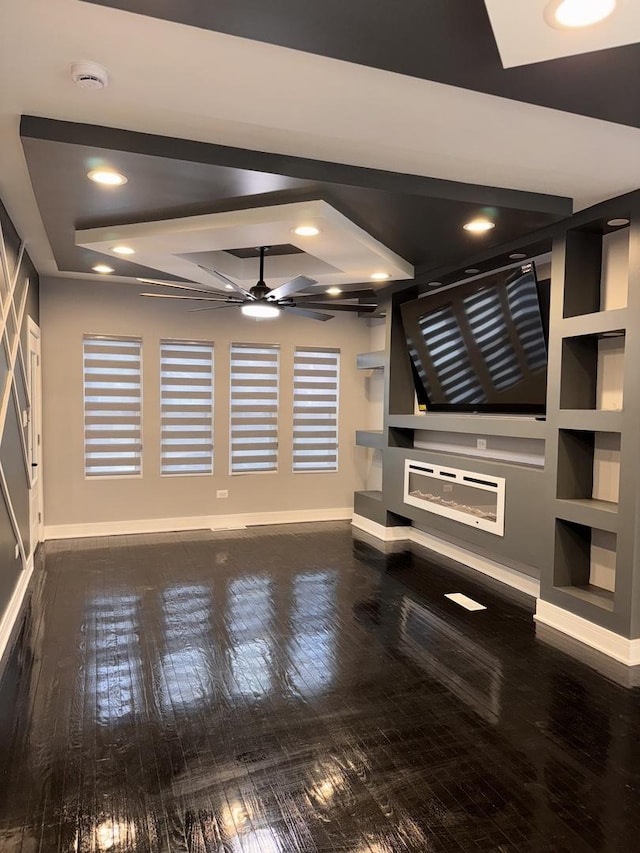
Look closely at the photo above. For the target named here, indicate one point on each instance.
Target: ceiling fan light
(260, 311)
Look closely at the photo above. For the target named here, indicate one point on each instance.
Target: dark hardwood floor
(292, 689)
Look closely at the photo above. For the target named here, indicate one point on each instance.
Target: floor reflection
(184, 672)
(284, 689)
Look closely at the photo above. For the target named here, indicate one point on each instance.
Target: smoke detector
(89, 75)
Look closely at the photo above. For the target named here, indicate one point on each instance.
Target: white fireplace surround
(470, 498)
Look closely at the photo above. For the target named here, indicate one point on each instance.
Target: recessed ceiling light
(123, 250)
(479, 226)
(333, 291)
(617, 223)
(103, 268)
(435, 284)
(107, 177)
(570, 14)
(517, 256)
(306, 231)
(259, 310)
(471, 271)
(380, 276)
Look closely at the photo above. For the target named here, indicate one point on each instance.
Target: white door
(34, 436)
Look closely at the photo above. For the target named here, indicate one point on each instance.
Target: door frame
(35, 406)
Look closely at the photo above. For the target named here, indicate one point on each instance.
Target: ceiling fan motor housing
(260, 290)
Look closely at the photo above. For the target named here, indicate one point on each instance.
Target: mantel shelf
(520, 426)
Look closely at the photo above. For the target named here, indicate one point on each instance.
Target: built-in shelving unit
(593, 460)
(572, 481)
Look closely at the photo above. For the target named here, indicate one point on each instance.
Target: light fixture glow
(517, 256)
(333, 291)
(228, 287)
(472, 271)
(479, 226)
(103, 268)
(123, 250)
(306, 231)
(259, 310)
(107, 177)
(380, 276)
(570, 14)
(617, 223)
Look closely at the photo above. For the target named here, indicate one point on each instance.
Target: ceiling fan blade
(227, 281)
(330, 306)
(354, 294)
(300, 282)
(221, 298)
(214, 307)
(312, 315)
(175, 286)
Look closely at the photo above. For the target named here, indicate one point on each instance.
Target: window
(112, 406)
(315, 409)
(186, 407)
(254, 408)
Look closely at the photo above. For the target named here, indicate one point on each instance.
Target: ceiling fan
(260, 301)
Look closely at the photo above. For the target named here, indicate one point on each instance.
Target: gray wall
(11, 453)
(72, 308)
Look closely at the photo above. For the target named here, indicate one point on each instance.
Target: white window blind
(186, 407)
(316, 375)
(112, 406)
(254, 407)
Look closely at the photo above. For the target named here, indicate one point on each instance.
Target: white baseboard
(484, 565)
(203, 522)
(619, 648)
(387, 534)
(12, 613)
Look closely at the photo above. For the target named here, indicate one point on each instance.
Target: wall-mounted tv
(481, 346)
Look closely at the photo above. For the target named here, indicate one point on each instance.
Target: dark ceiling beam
(186, 150)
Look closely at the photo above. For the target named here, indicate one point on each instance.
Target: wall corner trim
(12, 613)
(203, 522)
(619, 648)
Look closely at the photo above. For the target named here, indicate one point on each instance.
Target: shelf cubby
(591, 371)
(585, 561)
(596, 271)
(588, 476)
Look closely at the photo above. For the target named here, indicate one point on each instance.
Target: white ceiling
(342, 253)
(186, 82)
(523, 36)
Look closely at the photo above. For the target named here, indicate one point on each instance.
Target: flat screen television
(481, 346)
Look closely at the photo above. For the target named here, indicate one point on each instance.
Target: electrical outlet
(222, 493)
(17, 551)
(481, 443)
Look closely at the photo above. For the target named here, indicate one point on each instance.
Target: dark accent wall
(11, 448)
